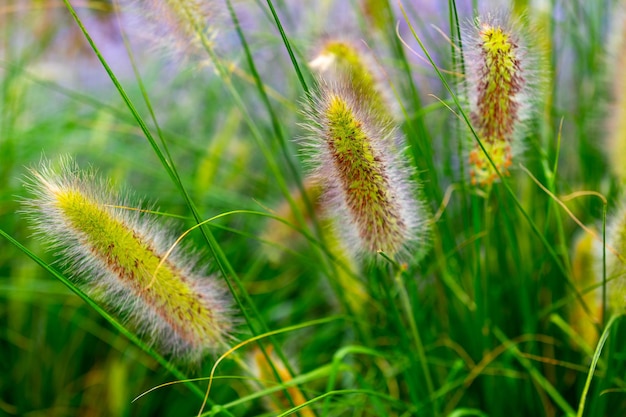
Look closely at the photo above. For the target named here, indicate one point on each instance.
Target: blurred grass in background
(492, 299)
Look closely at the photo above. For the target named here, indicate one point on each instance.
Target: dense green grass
(481, 325)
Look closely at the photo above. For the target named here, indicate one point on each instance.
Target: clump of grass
(477, 324)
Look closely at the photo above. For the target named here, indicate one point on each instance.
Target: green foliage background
(490, 302)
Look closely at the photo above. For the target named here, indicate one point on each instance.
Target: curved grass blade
(594, 363)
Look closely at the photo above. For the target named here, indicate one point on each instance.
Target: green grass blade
(594, 363)
(96, 307)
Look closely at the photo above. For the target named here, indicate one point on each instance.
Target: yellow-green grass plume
(117, 255)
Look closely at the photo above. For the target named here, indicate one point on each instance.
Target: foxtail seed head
(616, 129)
(343, 61)
(279, 235)
(498, 88)
(616, 263)
(366, 180)
(181, 28)
(117, 255)
(585, 276)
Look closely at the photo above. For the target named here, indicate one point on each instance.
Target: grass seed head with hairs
(118, 255)
(344, 61)
(616, 144)
(183, 29)
(498, 67)
(279, 235)
(616, 264)
(586, 274)
(366, 181)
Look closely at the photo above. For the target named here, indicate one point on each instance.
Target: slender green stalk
(604, 301)
(535, 374)
(395, 316)
(419, 345)
(294, 61)
(266, 102)
(415, 334)
(594, 363)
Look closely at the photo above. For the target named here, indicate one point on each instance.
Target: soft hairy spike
(342, 61)
(281, 235)
(616, 263)
(366, 180)
(182, 28)
(498, 82)
(363, 178)
(117, 255)
(616, 129)
(585, 276)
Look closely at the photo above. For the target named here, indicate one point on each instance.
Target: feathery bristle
(342, 61)
(498, 67)
(183, 29)
(366, 183)
(117, 255)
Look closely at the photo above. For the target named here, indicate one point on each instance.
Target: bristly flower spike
(343, 61)
(500, 91)
(278, 235)
(616, 262)
(116, 255)
(586, 258)
(616, 129)
(366, 181)
(182, 28)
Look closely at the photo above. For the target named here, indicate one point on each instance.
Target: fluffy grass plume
(118, 256)
(498, 66)
(279, 236)
(182, 29)
(344, 61)
(585, 274)
(366, 181)
(617, 115)
(616, 263)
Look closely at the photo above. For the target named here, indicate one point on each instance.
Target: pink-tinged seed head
(615, 262)
(616, 128)
(498, 72)
(366, 180)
